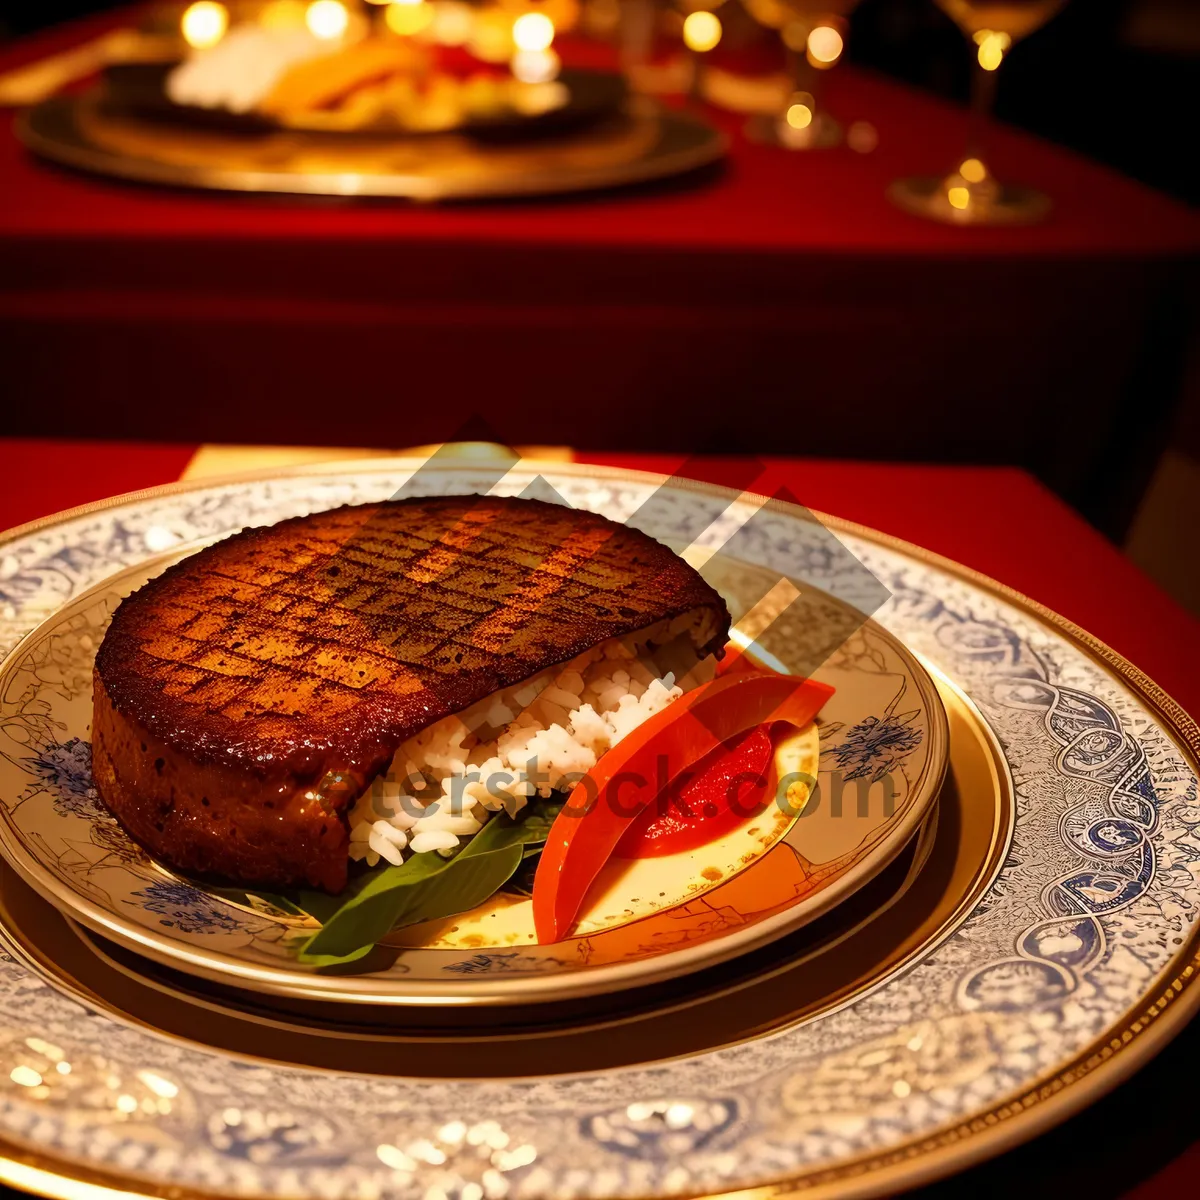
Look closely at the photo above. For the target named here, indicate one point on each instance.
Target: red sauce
(726, 788)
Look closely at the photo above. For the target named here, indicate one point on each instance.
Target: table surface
(996, 520)
(818, 203)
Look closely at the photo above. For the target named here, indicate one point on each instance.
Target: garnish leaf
(424, 887)
(335, 960)
(521, 883)
(259, 901)
(417, 890)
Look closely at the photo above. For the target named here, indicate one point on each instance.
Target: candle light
(533, 32)
(992, 48)
(701, 31)
(204, 24)
(408, 17)
(327, 19)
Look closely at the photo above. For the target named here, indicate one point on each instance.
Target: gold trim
(1099, 1068)
(220, 458)
(19, 1173)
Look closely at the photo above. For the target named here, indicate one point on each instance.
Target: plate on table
(883, 749)
(1032, 946)
(640, 143)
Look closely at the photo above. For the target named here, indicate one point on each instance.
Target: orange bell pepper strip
(736, 660)
(633, 773)
(732, 784)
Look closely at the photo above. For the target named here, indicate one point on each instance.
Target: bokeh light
(407, 17)
(536, 66)
(492, 36)
(452, 24)
(204, 23)
(972, 170)
(799, 116)
(959, 197)
(327, 19)
(533, 31)
(795, 36)
(992, 48)
(701, 31)
(862, 137)
(283, 14)
(602, 18)
(825, 46)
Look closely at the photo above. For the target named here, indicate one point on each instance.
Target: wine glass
(969, 194)
(814, 35)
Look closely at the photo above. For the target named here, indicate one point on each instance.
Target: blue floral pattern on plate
(186, 908)
(876, 747)
(65, 768)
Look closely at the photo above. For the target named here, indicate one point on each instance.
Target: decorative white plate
(1074, 966)
(884, 728)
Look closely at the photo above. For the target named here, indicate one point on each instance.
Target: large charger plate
(1070, 960)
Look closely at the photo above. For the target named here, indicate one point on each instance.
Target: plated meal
(453, 697)
(400, 738)
(398, 831)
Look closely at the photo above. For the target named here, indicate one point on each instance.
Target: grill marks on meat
(275, 673)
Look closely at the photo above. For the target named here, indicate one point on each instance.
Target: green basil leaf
(423, 888)
(521, 883)
(246, 898)
(417, 890)
(530, 829)
(335, 960)
(322, 905)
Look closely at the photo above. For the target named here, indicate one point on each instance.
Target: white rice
(444, 784)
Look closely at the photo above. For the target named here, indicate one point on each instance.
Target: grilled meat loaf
(248, 695)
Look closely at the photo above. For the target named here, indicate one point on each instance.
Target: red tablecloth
(783, 303)
(999, 521)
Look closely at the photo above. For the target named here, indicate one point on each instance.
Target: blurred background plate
(645, 142)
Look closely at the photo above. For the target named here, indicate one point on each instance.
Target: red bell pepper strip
(626, 779)
(731, 785)
(734, 659)
(737, 659)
